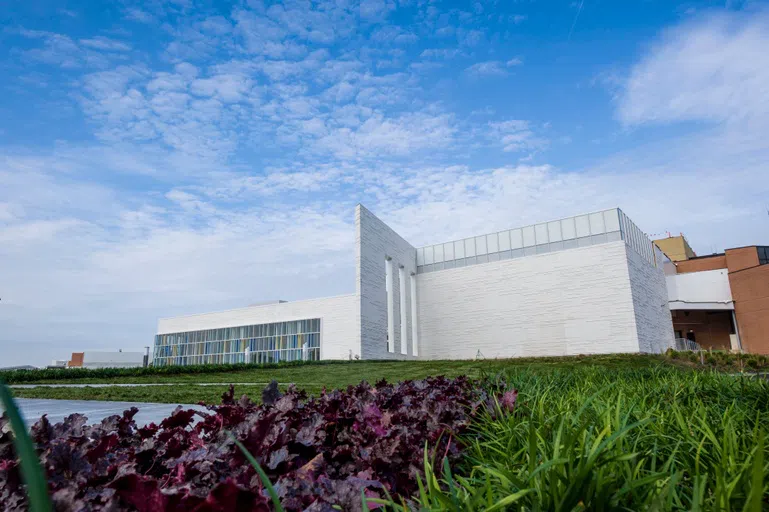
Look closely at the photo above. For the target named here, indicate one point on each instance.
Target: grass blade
(259, 471)
(34, 476)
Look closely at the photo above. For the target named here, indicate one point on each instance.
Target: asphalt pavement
(33, 408)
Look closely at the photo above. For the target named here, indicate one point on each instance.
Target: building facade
(676, 248)
(587, 284)
(105, 359)
(721, 301)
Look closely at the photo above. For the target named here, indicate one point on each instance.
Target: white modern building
(587, 284)
(103, 359)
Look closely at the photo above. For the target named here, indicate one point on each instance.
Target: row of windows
(540, 234)
(637, 240)
(272, 356)
(763, 255)
(293, 341)
(279, 341)
(246, 331)
(527, 251)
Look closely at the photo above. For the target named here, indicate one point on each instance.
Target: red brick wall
(77, 360)
(750, 291)
(742, 258)
(701, 264)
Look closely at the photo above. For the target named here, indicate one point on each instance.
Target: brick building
(720, 301)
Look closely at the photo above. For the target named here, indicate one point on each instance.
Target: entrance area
(711, 330)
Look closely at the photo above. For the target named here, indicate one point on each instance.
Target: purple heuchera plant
(318, 453)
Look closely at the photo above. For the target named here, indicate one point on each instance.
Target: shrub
(317, 453)
(21, 376)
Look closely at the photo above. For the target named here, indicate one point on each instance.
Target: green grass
(613, 432)
(653, 438)
(314, 377)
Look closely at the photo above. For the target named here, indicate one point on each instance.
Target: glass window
(492, 243)
(554, 231)
(421, 256)
(429, 260)
(470, 247)
(540, 234)
(448, 251)
(528, 237)
(459, 249)
(438, 253)
(504, 241)
(597, 225)
(480, 245)
(763, 255)
(568, 229)
(583, 226)
(611, 220)
(516, 238)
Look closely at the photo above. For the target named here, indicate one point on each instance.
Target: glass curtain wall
(298, 340)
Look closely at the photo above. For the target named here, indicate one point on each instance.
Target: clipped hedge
(22, 376)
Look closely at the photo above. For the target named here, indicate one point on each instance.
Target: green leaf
(259, 471)
(31, 471)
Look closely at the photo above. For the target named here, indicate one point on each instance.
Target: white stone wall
(650, 300)
(374, 242)
(575, 301)
(339, 329)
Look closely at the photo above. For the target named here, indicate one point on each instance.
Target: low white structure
(593, 283)
(97, 359)
(707, 290)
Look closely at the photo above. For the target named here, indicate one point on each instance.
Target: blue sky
(171, 157)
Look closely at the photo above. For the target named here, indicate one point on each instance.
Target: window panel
(429, 260)
(583, 226)
(516, 238)
(438, 253)
(611, 220)
(480, 245)
(528, 237)
(540, 233)
(568, 229)
(597, 225)
(459, 249)
(492, 243)
(504, 241)
(448, 251)
(554, 231)
(469, 247)
(420, 256)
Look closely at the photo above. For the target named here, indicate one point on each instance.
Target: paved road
(108, 385)
(32, 409)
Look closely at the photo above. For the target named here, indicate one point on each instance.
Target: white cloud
(229, 88)
(708, 69)
(515, 61)
(106, 44)
(440, 53)
(516, 135)
(61, 50)
(139, 15)
(487, 68)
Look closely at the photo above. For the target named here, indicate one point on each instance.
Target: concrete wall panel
(650, 303)
(576, 301)
(375, 241)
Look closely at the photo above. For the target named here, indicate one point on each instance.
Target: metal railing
(682, 344)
